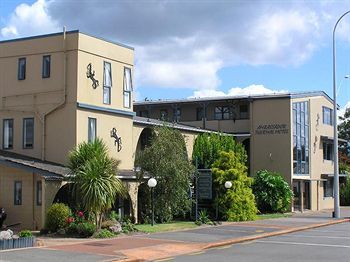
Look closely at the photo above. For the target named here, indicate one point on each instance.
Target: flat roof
(242, 97)
(61, 33)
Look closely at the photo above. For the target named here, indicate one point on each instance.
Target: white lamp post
(152, 182)
(336, 213)
(228, 184)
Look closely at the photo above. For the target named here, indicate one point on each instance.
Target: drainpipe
(62, 103)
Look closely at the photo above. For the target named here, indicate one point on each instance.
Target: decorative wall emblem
(91, 74)
(118, 139)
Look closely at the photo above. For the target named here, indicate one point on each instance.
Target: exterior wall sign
(205, 182)
(117, 139)
(272, 129)
(91, 74)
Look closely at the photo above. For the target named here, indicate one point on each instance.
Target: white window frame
(7, 134)
(92, 131)
(27, 145)
(107, 83)
(127, 87)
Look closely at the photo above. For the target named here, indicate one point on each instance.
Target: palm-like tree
(94, 178)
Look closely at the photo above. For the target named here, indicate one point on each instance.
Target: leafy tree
(344, 130)
(166, 160)
(208, 146)
(272, 192)
(237, 203)
(94, 178)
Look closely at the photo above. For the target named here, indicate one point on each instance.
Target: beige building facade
(56, 91)
(287, 133)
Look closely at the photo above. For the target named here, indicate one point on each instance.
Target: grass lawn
(176, 225)
(274, 215)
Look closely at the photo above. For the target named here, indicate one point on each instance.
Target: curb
(271, 234)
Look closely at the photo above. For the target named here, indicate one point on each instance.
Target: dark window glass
(327, 151)
(144, 113)
(222, 113)
(22, 68)
(177, 114)
(46, 66)
(300, 138)
(7, 135)
(107, 82)
(18, 193)
(39, 191)
(164, 115)
(328, 187)
(92, 129)
(327, 116)
(243, 112)
(28, 133)
(199, 113)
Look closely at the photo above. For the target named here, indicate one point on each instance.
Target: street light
(152, 182)
(341, 82)
(336, 213)
(228, 184)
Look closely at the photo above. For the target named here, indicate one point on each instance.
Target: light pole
(336, 213)
(152, 182)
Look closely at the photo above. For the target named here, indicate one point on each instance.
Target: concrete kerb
(271, 234)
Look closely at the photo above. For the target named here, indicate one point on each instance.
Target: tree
(166, 160)
(237, 203)
(344, 131)
(94, 178)
(272, 192)
(208, 146)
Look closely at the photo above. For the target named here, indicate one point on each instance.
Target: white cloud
(342, 111)
(29, 20)
(238, 91)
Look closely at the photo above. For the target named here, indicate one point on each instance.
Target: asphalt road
(331, 243)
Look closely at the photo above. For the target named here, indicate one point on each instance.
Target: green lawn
(274, 215)
(176, 225)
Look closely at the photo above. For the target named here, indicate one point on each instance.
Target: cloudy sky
(205, 47)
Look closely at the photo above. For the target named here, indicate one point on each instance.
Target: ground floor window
(18, 193)
(39, 193)
(328, 187)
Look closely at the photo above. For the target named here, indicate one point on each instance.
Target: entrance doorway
(296, 198)
(301, 191)
(306, 195)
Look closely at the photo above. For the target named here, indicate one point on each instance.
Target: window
(28, 132)
(164, 115)
(18, 193)
(7, 135)
(144, 113)
(46, 66)
(327, 151)
(107, 82)
(327, 116)
(328, 187)
(243, 112)
(91, 129)
(199, 113)
(301, 138)
(127, 87)
(22, 68)
(222, 113)
(177, 114)
(39, 190)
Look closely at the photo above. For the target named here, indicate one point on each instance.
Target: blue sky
(206, 48)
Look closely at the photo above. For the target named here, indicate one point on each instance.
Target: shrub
(108, 223)
(72, 229)
(345, 194)
(203, 218)
(86, 229)
(236, 203)
(25, 233)
(56, 217)
(272, 192)
(104, 233)
(128, 226)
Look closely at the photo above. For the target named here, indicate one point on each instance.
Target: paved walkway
(168, 244)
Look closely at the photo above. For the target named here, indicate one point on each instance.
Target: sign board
(272, 129)
(205, 184)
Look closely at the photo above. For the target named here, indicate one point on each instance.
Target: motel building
(61, 89)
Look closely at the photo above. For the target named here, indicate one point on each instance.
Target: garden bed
(21, 242)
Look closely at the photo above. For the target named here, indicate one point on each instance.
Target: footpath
(157, 246)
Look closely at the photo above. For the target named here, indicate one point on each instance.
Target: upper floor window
(22, 68)
(39, 192)
(144, 113)
(328, 187)
(327, 151)
(199, 113)
(127, 87)
(7, 135)
(243, 112)
(177, 114)
(164, 115)
(222, 113)
(91, 129)
(327, 116)
(46, 66)
(28, 132)
(18, 193)
(107, 82)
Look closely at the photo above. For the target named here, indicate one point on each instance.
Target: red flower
(70, 220)
(80, 214)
